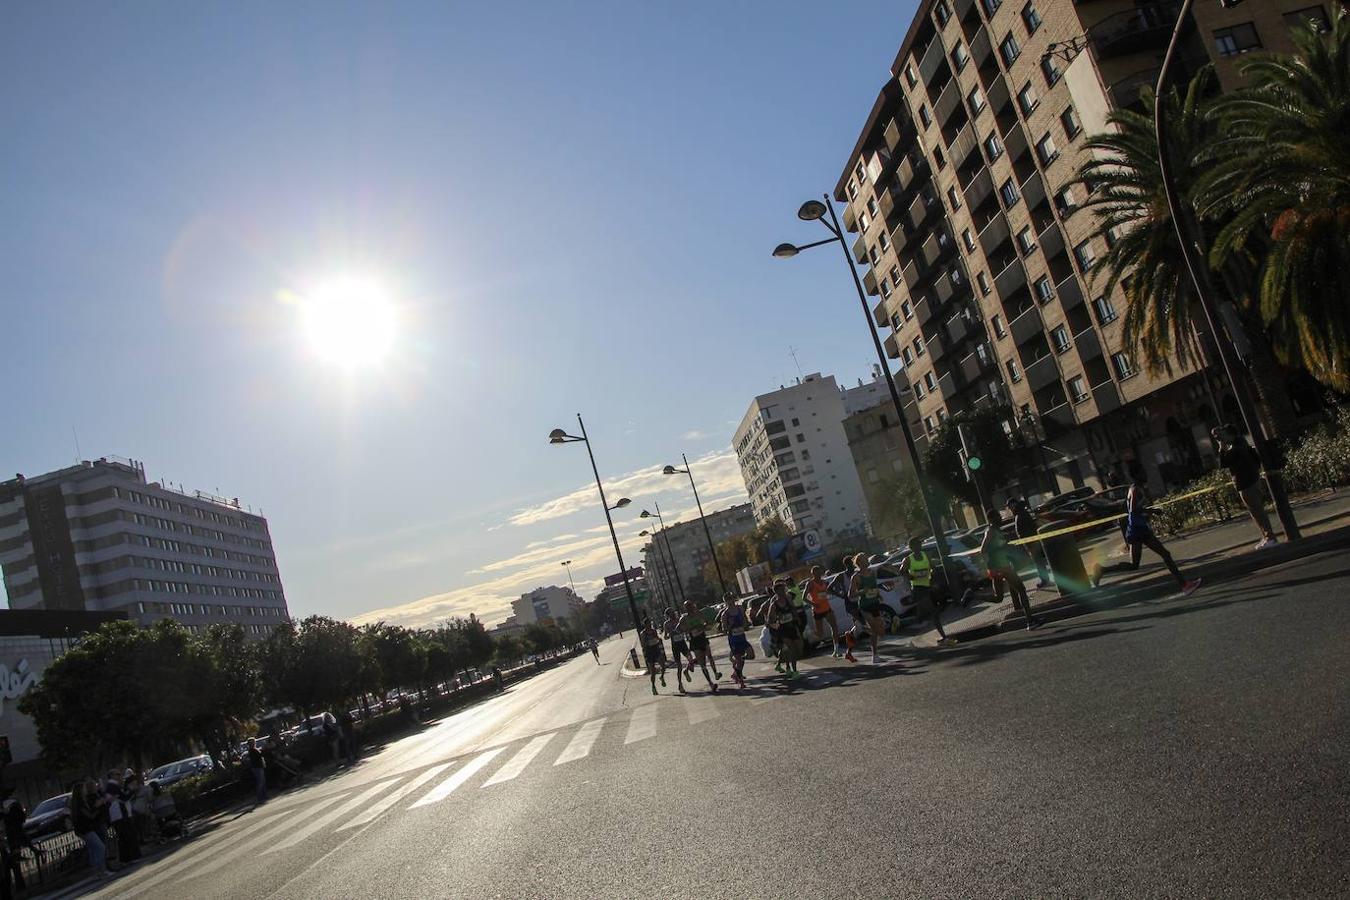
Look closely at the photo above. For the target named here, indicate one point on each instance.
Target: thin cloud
(695, 434)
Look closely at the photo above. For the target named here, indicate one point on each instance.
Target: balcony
(964, 144)
(1089, 345)
(886, 205)
(892, 135)
(948, 102)
(1033, 190)
(995, 235)
(1125, 92)
(944, 290)
(934, 57)
(980, 47)
(913, 170)
(911, 276)
(958, 329)
(963, 9)
(892, 345)
(951, 384)
(1052, 241)
(938, 346)
(870, 282)
(998, 95)
(1058, 417)
(1134, 30)
(929, 252)
(860, 249)
(923, 310)
(1107, 397)
(1070, 293)
(1042, 373)
(1015, 142)
(1027, 326)
(979, 190)
(972, 366)
(899, 237)
(920, 209)
(879, 313)
(850, 218)
(1011, 280)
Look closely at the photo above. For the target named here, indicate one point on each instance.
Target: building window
(939, 158)
(863, 221)
(1050, 70)
(910, 78)
(1086, 256)
(1027, 99)
(1065, 201)
(873, 256)
(1059, 336)
(996, 323)
(884, 240)
(1123, 365)
(918, 390)
(1069, 119)
(906, 311)
(1026, 241)
(1046, 149)
(954, 273)
(1237, 39)
(1014, 373)
(1010, 49)
(1008, 191)
(858, 171)
(1077, 389)
(907, 356)
(1106, 310)
(895, 321)
(1314, 16)
(942, 12)
(929, 381)
(918, 347)
(872, 206)
(925, 116)
(886, 290)
(993, 148)
(982, 279)
(960, 56)
(1045, 291)
(941, 415)
(991, 6)
(976, 100)
(953, 198)
(928, 420)
(1031, 18)
(968, 240)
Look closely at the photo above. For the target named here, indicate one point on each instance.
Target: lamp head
(811, 210)
(557, 436)
(669, 470)
(785, 251)
(622, 503)
(645, 514)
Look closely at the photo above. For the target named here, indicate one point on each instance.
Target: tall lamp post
(671, 470)
(1186, 231)
(558, 436)
(815, 211)
(670, 552)
(567, 564)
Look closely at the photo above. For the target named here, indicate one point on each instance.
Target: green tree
(899, 510)
(227, 686)
(942, 459)
(318, 665)
(507, 650)
(1280, 181)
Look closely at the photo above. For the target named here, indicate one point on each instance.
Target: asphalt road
(1177, 747)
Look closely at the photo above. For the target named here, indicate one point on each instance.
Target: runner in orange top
(818, 593)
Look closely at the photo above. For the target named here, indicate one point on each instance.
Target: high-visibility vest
(920, 569)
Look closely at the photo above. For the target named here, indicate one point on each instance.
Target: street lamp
(815, 211)
(567, 564)
(664, 582)
(1186, 231)
(671, 470)
(670, 552)
(558, 436)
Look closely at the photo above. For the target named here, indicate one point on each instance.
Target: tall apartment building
(795, 459)
(98, 537)
(961, 190)
(688, 552)
(545, 604)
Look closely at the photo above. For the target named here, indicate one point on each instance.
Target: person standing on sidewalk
(1139, 534)
(86, 814)
(1244, 465)
(1024, 522)
(918, 567)
(999, 562)
(258, 766)
(866, 593)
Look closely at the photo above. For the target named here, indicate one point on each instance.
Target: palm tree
(1280, 181)
(1163, 318)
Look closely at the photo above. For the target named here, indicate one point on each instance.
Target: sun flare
(350, 321)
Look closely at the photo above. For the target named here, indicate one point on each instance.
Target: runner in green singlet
(866, 592)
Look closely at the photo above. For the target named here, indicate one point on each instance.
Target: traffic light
(970, 460)
(6, 757)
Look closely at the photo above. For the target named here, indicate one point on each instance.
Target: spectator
(119, 817)
(347, 735)
(1024, 522)
(86, 815)
(258, 766)
(16, 838)
(1244, 465)
(138, 795)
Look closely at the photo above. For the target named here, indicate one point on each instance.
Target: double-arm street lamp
(670, 553)
(815, 211)
(671, 470)
(567, 564)
(558, 436)
(1195, 263)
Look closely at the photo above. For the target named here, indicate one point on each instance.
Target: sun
(350, 321)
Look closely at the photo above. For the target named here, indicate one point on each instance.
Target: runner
(695, 625)
(999, 562)
(734, 622)
(818, 592)
(595, 651)
(1244, 465)
(1139, 534)
(653, 652)
(866, 593)
(919, 568)
(782, 618)
(1024, 521)
(678, 648)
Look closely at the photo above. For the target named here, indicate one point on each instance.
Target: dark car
(174, 772)
(51, 816)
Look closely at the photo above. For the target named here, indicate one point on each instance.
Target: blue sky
(571, 206)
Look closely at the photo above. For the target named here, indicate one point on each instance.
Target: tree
(227, 686)
(1280, 181)
(318, 664)
(899, 510)
(1162, 318)
(942, 459)
(508, 650)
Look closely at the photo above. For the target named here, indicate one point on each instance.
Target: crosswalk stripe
(642, 725)
(701, 712)
(447, 787)
(517, 763)
(823, 677)
(389, 800)
(759, 701)
(581, 742)
(314, 826)
(259, 837)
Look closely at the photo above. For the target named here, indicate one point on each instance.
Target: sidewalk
(1222, 549)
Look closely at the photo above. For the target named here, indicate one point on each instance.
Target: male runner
(734, 622)
(595, 651)
(919, 568)
(679, 649)
(782, 618)
(999, 562)
(818, 592)
(866, 593)
(695, 626)
(652, 652)
(1139, 534)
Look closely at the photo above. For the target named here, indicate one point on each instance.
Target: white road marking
(642, 725)
(385, 802)
(701, 711)
(581, 743)
(448, 786)
(314, 826)
(517, 763)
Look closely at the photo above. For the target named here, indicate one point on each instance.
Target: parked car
(51, 816)
(315, 724)
(171, 773)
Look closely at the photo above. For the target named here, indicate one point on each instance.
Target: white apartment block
(545, 603)
(98, 537)
(795, 458)
(688, 552)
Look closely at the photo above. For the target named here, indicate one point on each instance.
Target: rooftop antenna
(78, 456)
(792, 351)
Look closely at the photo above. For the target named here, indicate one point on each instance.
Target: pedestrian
(86, 815)
(653, 652)
(1139, 534)
(138, 795)
(818, 592)
(865, 591)
(1244, 465)
(347, 735)
(258, 766)
(1024, 523)
(119, 818)
(734, 621)
(782, 618)
(918, 567)
(695, 625)
(998, 560)
(679, 647)
(595, 651)
(15, 840)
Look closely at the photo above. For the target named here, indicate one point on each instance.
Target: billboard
(788, 553)
(633, 575)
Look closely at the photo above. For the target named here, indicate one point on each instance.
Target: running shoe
(1034, 623)
(837, 652)
(653, 689)
(947, 642)
(1267, 544)
(717, 674)
(714, 688)
(875, 659)
(682, 690)
(778, 668)
(663, 681)
(791, 676)
(848, 655)
(689, 672)
(1190, 587)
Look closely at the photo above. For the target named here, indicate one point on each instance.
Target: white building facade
(670, 571)
(545, 604)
